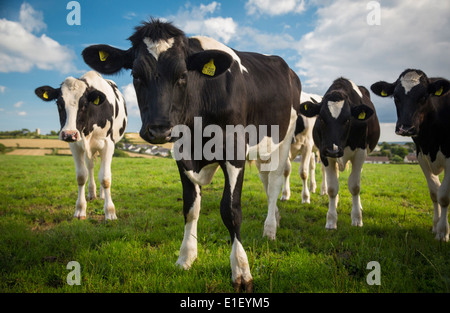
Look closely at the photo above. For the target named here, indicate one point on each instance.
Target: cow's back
(272, 90)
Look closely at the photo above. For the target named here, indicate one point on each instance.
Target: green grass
(137, 253)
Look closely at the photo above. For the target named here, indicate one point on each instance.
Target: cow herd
(178, 79)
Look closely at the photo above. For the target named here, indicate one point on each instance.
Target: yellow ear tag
(97, 101)
(362, 115)
(103, 55)
(209, 68)
(45, 95)
(439, 92)
(306, 107)
(383, 93)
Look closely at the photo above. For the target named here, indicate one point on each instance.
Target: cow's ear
(47, 93)
(96, 97)
(106, 59)
(439, 87)
(362, 112)
(210, 63)
(383, 89)
(310, 109)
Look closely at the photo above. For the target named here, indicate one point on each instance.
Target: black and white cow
(346, 129)
(303, 145)
(423, 112)
(93, 118)
(179, 81)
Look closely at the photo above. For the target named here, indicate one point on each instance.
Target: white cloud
(411, 34)
(274, 7)
(251, 39)
(21, 50)
(18, 104)
(129, 15)
(197, 20)
(31, 20)
(22, 113)
(130, 97)
(2, 89)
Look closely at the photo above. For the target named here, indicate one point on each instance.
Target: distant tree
(397, 159)
(400, 151)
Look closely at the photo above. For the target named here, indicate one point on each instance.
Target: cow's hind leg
(105, 179)
(230, 210)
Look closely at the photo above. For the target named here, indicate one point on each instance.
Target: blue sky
(320, 40)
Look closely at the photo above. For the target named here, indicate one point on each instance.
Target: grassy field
(137, 253)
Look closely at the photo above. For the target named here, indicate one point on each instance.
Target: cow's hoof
(442, 236)
(270, 233)
(185, 263)
(240, 285)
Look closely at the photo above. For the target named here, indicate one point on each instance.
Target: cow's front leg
(433, 188)
(442, 229)
(312, 173)
(105, 179)
(333, 193)
(191, 211)
(82, 176)
(354, 186)
(92, 188)
(286, 193)
(230, 210)
(303, 171)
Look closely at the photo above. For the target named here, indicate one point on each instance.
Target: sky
(365, 41)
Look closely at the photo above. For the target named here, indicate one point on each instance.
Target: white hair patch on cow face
(356, 88)
(158, 47)
(410, 80)
(335, 108)
(72, 90)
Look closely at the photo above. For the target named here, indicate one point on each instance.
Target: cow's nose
(70, 135)
(336, 152)
(158, 134)
(404, 130)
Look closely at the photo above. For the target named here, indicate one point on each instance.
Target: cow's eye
(182, 79)
(135, 77)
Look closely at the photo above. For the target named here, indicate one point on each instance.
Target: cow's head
(411, 92)
(79, 103)
(163, 65)
(340, 108)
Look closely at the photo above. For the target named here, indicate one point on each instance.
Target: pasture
(137, 253)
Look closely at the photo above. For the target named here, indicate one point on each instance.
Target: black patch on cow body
(434, 131)
(124, 126)
(299, 126)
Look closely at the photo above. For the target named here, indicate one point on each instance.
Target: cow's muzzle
(156, 134)
(70, 135)
(403, 130)
(336, 152)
